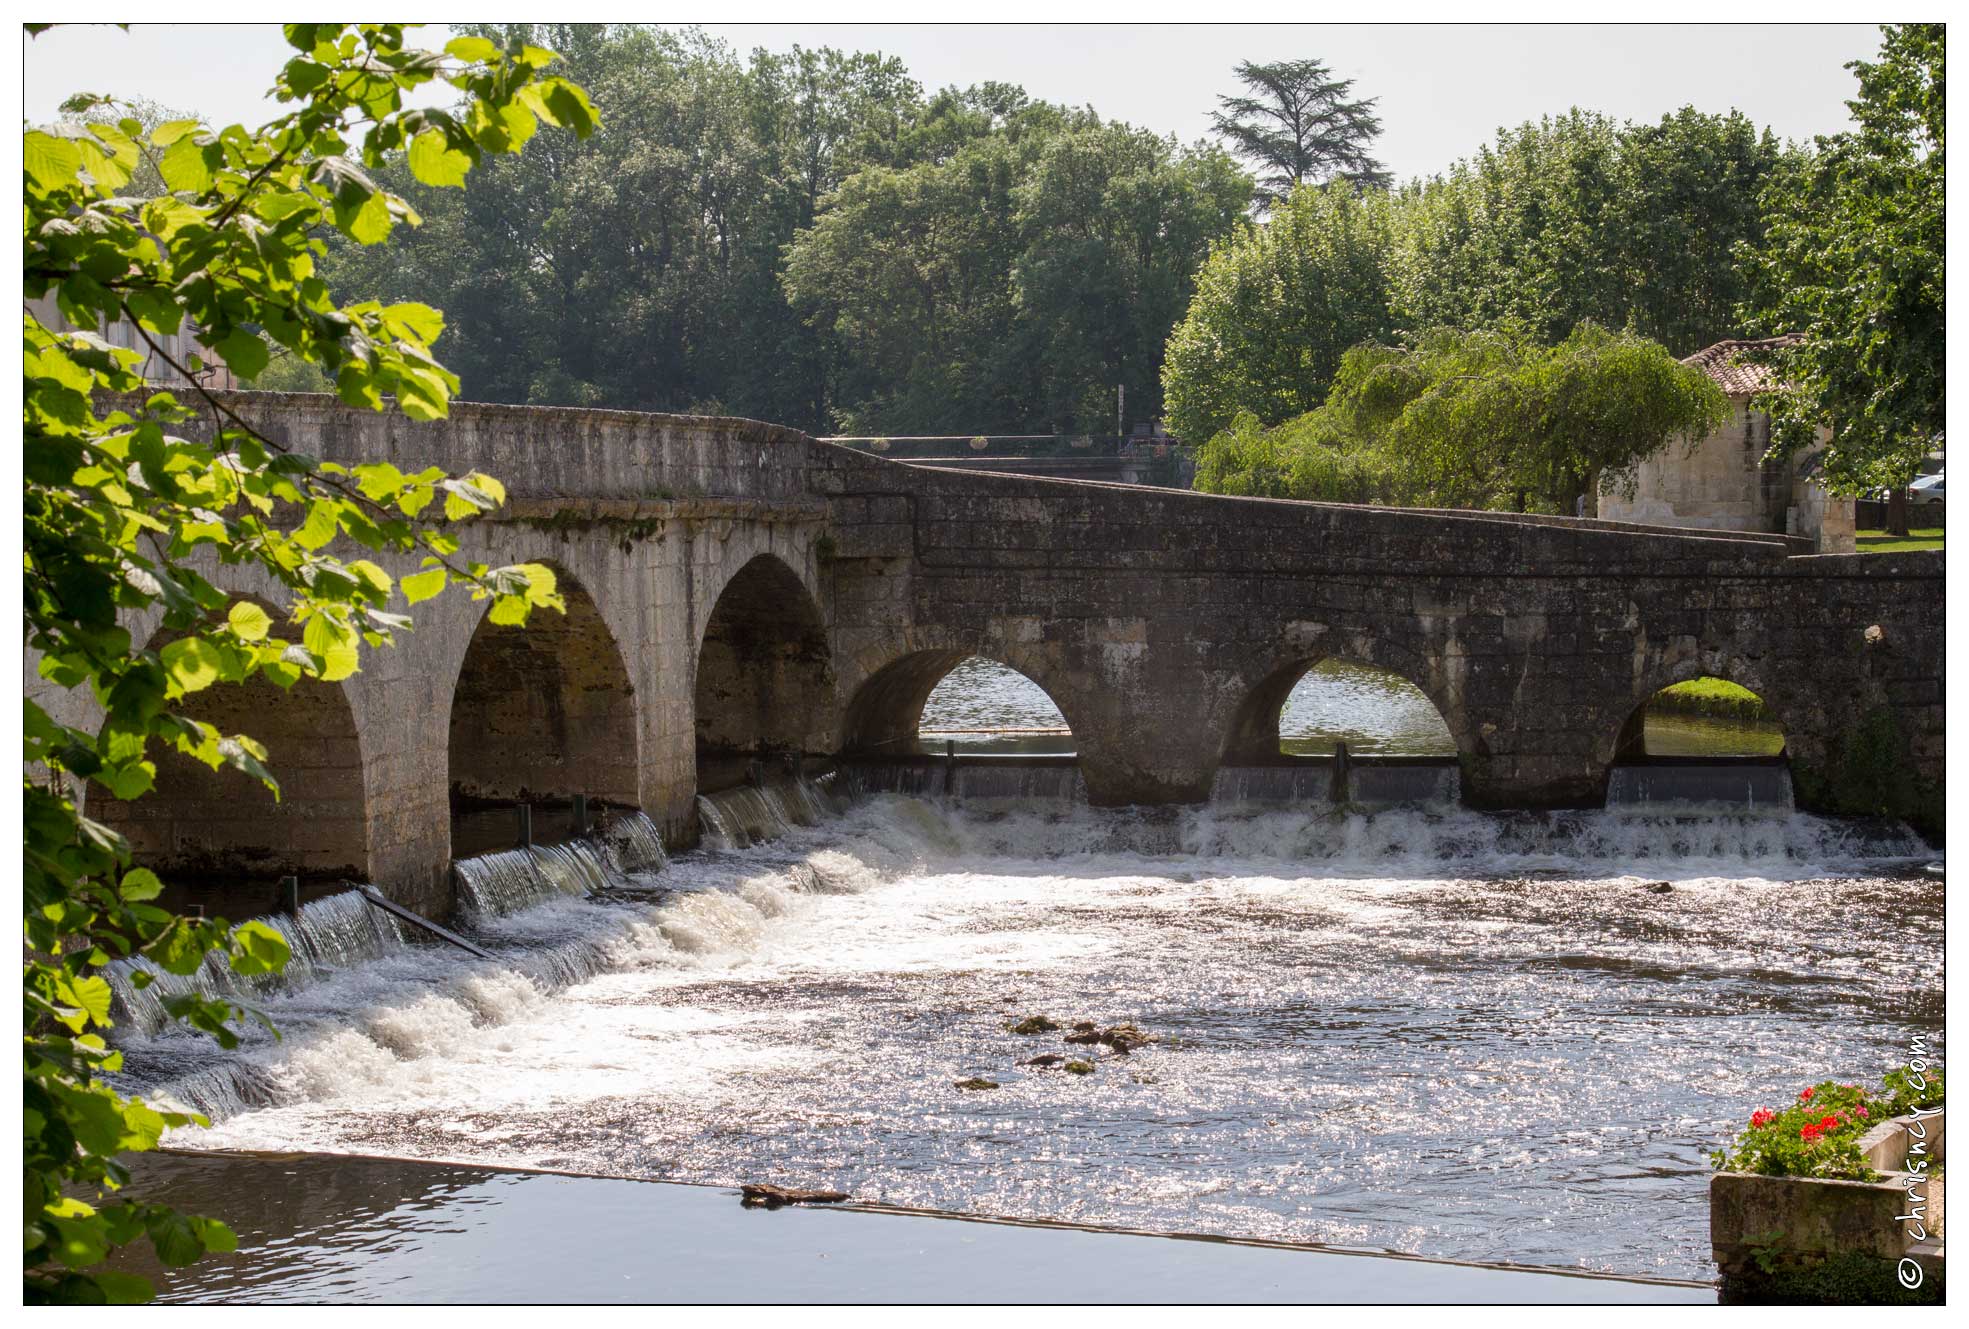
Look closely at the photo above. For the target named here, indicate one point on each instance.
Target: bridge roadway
(734, 585)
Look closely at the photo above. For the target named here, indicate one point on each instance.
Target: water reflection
(1681, 734)
(317, 1229)
(984, 706)
(1372, 711)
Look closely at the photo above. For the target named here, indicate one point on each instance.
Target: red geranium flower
(1762, 1117)
(1805, 1096)
(1809, 1132)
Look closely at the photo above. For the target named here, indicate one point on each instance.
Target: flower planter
(1807, 1238)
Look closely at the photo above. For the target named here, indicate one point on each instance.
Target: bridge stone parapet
(736, 587)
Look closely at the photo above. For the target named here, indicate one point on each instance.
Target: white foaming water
(1443, 1032)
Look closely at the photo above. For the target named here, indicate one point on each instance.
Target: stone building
(1724, 483)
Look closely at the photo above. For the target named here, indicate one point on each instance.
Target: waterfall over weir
(327, 935)
(741, 817)
(495, 885)
(1762, 786)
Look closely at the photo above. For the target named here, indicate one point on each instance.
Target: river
(1424, 1029)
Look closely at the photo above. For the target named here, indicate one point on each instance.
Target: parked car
(1928, 489)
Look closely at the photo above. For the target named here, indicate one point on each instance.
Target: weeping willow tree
(1475, 420)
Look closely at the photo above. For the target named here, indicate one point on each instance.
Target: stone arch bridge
(734, 586)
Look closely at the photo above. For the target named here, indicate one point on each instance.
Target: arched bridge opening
(542, 711)
(765, 678)
(1703, 739)
(221, 839)
(955, 722)
(1339, 729)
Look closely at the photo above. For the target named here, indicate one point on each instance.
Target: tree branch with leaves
(125, 518)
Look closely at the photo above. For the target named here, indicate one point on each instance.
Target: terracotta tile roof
(1725, 363)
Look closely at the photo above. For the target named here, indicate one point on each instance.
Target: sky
(1444, 90)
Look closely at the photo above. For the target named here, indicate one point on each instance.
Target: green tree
(1577, 217)
(1473, 420)
(1487, 420)
(123, 517)
(907, 270)
(1854, 261)
(640, 268)
(1010, 285)
(1297, 124)
(1113, 224)
(1276, 306)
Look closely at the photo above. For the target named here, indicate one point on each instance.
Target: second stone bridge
(735, 587)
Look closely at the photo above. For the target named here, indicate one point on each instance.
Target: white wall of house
(1723, 483)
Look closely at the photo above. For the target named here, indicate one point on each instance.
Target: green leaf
(249, 621)
(192, 662)
(333, 645)
(244, 353)
(140, 884)
(435, 162)
(184, 167)
(568, 106)
(51, 162)
(319, 528)
(422, 585)
(541, 584)
(377, 580)
(509, 611)
(171, 131)
(258, 949)
(120, 1289)
(472, 50)
(414, 320)
(92, 996)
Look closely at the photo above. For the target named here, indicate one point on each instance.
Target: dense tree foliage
(1577, 217)
(1298, 124)
(1854, 260)
(1571, 220)
(1474, 420)
(808, 238)
(125, 523)
(1276, 306)
(1013, 285)
(638, 268)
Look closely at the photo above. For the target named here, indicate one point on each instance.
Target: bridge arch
(202, 827)
(544, 710)
(886, 710)
(1253, 734)
(1621, 735)
(764, 673)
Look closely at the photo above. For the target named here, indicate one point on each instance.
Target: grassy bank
(1710, 696)
(1879, 542)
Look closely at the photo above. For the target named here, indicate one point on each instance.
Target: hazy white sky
(1444, 90)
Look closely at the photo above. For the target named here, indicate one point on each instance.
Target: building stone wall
(1723, 483)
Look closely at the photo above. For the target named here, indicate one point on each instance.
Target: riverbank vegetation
(1685, 233)
(131, 503)
(813, 238)
(1711, 696)
(1473, 420)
